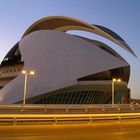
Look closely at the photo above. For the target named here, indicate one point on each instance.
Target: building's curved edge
(82, 26)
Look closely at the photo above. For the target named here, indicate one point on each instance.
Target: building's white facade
(66, 66)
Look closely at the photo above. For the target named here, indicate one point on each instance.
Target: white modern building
(69, 69)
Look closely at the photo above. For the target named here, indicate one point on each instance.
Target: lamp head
(116, 80)
(28, 73)
(24, 71)
(32, 72)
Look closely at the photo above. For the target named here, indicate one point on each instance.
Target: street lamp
(26, 73)
(113, 89)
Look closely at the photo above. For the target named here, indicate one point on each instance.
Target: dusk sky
(121, 16)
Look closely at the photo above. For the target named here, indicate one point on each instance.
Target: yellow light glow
(23, 71)
(119, 80)
(28, 73)
(32, 72)
(114, 79)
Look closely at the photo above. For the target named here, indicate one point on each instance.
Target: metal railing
(68, 109)
(47, 119)
(18, 114)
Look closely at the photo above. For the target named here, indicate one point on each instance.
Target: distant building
(69, 69)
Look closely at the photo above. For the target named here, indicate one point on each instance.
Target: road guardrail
(68, 109)
(47, 119)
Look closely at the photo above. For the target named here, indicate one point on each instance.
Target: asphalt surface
(101, 131)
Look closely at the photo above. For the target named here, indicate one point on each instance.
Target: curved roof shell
(62, 23)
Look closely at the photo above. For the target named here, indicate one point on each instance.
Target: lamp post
(26, 73)
(113, 89)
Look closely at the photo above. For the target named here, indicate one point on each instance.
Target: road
(99, 131)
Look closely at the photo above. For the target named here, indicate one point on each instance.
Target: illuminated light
(114, 80)
(28, 73)
(119, 80)
(24, 71)
(32, 72)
